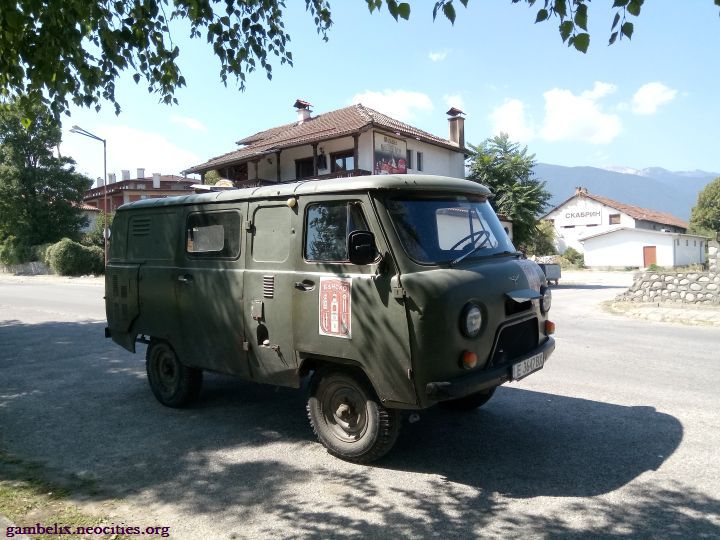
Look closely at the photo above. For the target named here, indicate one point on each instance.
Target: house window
(304, 168)
(419, 165)
(342, 161)
(687, 243)
(408, 159)
(614, 219)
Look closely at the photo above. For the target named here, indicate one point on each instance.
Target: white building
(615, 234)
(351, 141)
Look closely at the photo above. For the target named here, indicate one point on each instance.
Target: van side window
(327, 226)
(215, 235)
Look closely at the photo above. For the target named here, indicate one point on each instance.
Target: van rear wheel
(471, 402)
(348, 419)
(172, 383)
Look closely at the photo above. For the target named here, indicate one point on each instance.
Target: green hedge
(68, 258)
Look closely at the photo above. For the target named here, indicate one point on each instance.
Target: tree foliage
(507, 169)
(76, 49)
(705, 215)
(39, 193)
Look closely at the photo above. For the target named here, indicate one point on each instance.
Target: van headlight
(471, 320)
(546, 300)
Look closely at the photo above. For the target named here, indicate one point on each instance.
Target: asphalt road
(616, 437)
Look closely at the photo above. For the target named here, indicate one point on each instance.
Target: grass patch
(28, 498)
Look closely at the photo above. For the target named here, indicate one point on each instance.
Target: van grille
(268, 286)
(515, 340)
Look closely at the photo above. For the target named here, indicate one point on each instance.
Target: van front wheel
(348, 419)
(172, 383)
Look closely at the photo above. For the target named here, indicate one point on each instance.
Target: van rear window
(213, 234)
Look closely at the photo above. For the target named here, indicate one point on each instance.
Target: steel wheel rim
(344, 409)
(166, 371)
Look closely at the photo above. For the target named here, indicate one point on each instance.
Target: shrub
(572, 258)
(39, 253)
(68, 258)
(14, 251)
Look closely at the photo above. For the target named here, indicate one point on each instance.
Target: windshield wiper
(476, 248)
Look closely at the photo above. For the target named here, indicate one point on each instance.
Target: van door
(345, 312)
(209, 290)
(269, 279)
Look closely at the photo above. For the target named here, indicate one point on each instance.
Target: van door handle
(185, 278)
(305, 285)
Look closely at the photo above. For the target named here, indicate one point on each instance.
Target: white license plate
(527, 366)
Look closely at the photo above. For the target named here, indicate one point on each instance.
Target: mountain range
(654, 188)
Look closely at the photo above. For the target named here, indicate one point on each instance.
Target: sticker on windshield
(335, 307)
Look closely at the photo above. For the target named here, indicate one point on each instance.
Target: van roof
(391, 182)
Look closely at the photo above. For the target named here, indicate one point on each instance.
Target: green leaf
(616, 20)
(566, 29)
(542, 15)
(627, 29)
(613, 37)
(561, 9)
(449, 12)
(620, 3)
(581, 17)
(582, 42)
(136, 77)
(404, 10)
(634, 7)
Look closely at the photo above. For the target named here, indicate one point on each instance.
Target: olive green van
(392, 293)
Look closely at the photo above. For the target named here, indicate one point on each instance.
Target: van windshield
(443, 229)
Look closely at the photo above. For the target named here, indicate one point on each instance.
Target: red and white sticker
(335, 307)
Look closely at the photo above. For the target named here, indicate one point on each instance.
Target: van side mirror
(361, 247)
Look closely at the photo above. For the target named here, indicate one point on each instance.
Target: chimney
(126, 174)
(100, 182)
(140, 173)
(581, 190)
(303, 110)
(457, 126)
(156, 180)
(111, 178)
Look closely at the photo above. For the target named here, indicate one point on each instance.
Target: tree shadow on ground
(243, 460)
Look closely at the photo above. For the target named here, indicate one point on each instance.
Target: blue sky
(649, 102)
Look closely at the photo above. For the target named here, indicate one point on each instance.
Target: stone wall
(678, 287)
(31, 268)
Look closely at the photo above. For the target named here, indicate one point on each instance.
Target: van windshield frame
(437, 229)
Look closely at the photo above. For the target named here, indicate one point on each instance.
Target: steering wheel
(472, 237)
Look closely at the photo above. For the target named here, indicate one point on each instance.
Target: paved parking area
(612, 438)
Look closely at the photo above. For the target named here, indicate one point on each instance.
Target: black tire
(469, 403)
(172, 383)
(348, 419)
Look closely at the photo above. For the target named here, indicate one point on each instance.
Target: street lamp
(86, 133)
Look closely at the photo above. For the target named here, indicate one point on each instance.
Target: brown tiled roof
(637, 212)
(339, 123)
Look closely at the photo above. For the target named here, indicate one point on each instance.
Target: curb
(659, 313)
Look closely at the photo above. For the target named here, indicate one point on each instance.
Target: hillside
(654, 188)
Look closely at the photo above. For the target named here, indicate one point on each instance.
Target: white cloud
(454, 100)
(400, 104)
(510, 118)
(650, 96)
(579, 118)
(438, 56)
(188, 122)
(127, 148)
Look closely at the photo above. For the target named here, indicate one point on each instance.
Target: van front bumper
(477, 381)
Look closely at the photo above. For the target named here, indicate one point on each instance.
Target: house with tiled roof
(129, 189)
(615, 234)
(351, 141)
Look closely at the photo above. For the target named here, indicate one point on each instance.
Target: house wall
(571, 224)
(625, 248)
(436, 160)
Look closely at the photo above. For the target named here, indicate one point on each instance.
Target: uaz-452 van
(393, 293)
